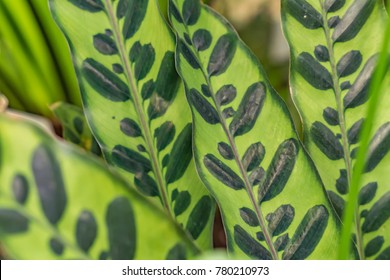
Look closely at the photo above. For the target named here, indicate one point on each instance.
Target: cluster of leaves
(35, 69)
(136, 85)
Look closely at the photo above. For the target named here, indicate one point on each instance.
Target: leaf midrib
(138, 107)
(342, 124)
(233, 145)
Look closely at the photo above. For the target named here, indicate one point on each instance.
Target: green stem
(365, 136)
(138, 107)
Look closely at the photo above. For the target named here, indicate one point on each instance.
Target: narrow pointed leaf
(250, 165)
(333, 116)
(134, 99)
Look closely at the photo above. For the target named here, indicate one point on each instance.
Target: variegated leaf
(74, 126)
(330, 78)
(135, 102)
(251, 164)
(56, 202)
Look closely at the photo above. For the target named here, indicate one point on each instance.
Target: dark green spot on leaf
(225, 150)
(178, 252)
(226, 94)
(223, 173)
(202, 39)
(20, 188)
(121, 228)
(146, 184)
(353, 20)
(165, 135)
(86, 230)
(326, 141)
(222, 55)
(281, 219)
(92, 6)
(249, 217)
(253, 156)
(354, 132)
(134, 16)
(104, 44)
(342, 185)
(331, 116)
(321, 52)
(105, 82)
(203, 107)
(248, 110)
(379, 147)
(279, 170)
(56, 246)
(48, 178)
(130, 127)
(191, 11)
(378, 214)
(183, 200)
(367, 193)
(313, 72)
(11, 221)
(308, 234)
(249, 245)
(180, 156)
(199, 217)
(130, 160)
(358, 93)
(303, 12)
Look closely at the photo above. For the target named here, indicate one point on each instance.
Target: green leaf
(74, 126)
(34, 56)
(251, 166)
(135, 102)
(72, 206)
(334, 115)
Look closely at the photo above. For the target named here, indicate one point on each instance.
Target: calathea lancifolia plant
(58, 203)
(330, 78)
(135, 103)
(278, 198)
(253, 167)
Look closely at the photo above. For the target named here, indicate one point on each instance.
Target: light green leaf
(343, 52)
(252, 166)
(34, 56)
(135, 102)
(56, 202)
(75, 127)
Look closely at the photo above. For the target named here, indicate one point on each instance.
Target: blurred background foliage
(35, 63)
